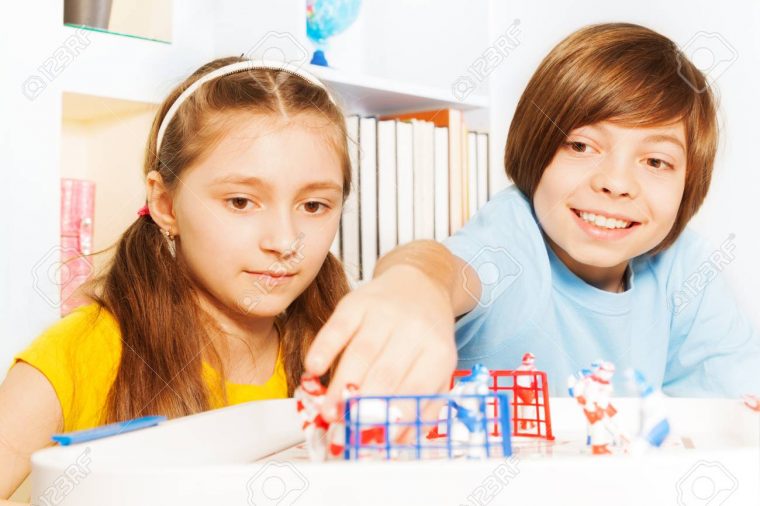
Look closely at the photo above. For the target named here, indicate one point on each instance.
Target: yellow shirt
(80, 355)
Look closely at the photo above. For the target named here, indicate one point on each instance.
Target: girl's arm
(30, 414)
(397, 331)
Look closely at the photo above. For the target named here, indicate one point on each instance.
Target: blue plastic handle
(113, 429)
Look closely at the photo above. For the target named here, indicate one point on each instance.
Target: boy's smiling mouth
(605, 220)
(606, 226)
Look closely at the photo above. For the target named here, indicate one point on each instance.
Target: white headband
(231, 69)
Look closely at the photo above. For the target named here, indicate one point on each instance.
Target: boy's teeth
(601, 221)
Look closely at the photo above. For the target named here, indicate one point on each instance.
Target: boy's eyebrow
(665, 138)
(323, 185)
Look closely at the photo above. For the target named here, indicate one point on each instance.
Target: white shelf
(130, 68)
(365, 94)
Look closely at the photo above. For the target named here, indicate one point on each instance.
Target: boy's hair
(614, 72)
(165, 333)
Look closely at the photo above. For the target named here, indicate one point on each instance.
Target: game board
(252, 454)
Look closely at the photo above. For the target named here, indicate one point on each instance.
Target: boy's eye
(658, 163)
(577, 146)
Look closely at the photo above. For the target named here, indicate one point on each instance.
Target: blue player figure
(654, 426)
(471, 412)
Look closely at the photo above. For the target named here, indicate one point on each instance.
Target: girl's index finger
(332, 338)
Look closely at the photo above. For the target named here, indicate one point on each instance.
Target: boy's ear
(160, 203)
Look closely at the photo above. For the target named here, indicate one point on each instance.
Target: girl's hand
(397, 337)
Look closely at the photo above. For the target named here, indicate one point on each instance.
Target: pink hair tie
(144, 211)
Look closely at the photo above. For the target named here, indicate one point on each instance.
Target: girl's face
(611, 193)
(257, 214)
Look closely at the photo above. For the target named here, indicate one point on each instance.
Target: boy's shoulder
(690, 251)
(512, 198)
(507, 213)
(691, 263)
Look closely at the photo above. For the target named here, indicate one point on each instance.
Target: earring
(170, 243)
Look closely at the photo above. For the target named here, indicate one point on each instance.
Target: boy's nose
(615, 179)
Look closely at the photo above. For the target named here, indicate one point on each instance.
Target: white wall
(29, 192)
(732, 205)
(34, 42)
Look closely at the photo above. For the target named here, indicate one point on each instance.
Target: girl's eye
(577, 146)
(314, 207)
(658, 163)
(239, 203)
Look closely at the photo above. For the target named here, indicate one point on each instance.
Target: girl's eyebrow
(240, 179)
(258, 182)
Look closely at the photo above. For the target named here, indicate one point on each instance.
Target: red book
(77, 220)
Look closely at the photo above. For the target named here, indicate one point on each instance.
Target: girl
(217, 289)
(587, 256)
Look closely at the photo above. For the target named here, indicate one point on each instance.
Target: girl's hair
(614, 72)
(165, 333)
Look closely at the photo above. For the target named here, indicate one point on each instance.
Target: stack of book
(414, 176)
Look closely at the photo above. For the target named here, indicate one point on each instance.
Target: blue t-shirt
(677, 322)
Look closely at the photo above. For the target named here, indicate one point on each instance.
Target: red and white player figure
(372, 415)
(752, 402)
(310, 396)
(525, 390)
(593, 393)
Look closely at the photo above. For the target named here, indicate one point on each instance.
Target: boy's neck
(609, 279)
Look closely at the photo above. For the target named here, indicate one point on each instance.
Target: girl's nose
(280, 236)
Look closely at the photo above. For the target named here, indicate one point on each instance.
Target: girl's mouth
(272, 278)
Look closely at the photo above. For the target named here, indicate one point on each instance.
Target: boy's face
(633, 175)
(257, 215)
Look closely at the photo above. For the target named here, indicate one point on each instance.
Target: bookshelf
(114, 83)
(366, 94)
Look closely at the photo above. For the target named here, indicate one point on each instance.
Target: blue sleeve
(714, 351)
(504, 246)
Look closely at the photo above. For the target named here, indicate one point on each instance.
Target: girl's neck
(247, 346)
(610, 279)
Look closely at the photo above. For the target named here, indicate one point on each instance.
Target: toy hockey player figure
(654, 426)
(574, 380)
(593, 393)
(472, 411)
(377, 420)
(525, 390)
(309, 398)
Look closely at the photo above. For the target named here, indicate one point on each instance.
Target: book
(368, 195)
(424, 182)
(483, 170)
(405, 181)
(386, 186)
(349, 225)
(454, 121)
(77, 230)
(472, 174)
(441, 157)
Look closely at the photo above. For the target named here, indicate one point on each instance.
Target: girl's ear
(160, 203)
